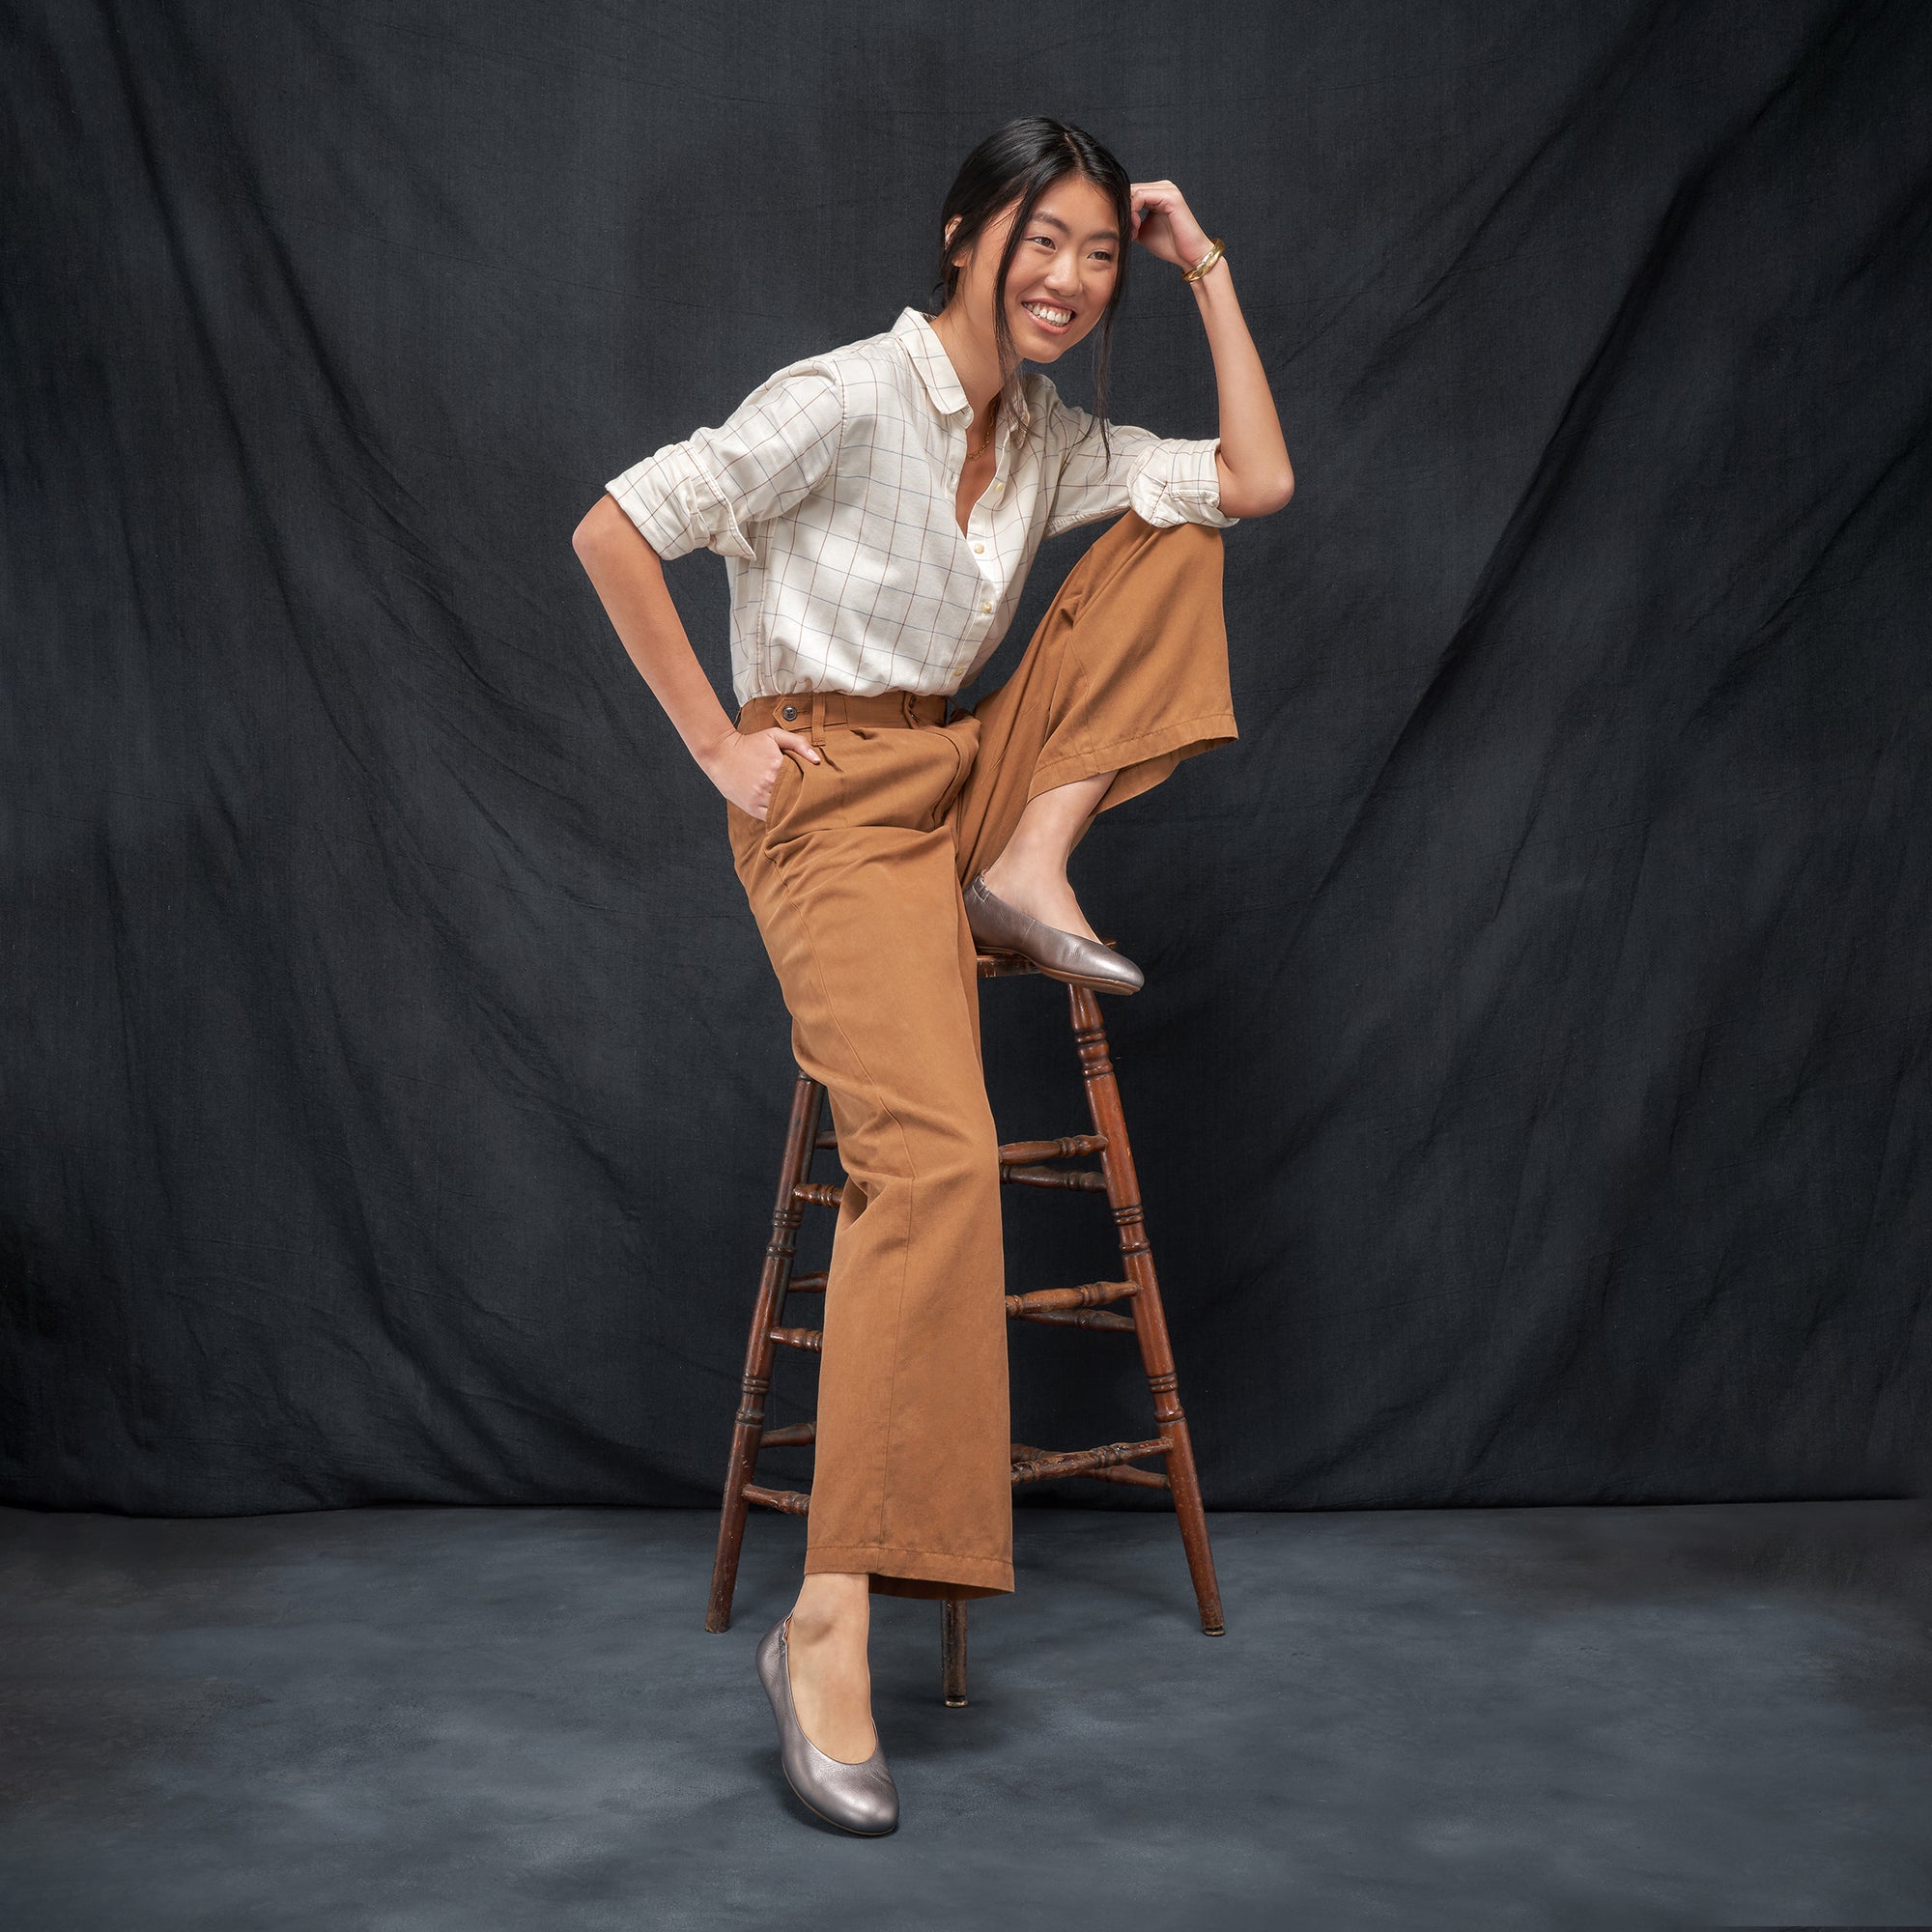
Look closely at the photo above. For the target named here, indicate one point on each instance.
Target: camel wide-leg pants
(855, 879)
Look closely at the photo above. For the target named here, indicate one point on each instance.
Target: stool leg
(953, 1650)
(748, 1429)
(1124, 1192)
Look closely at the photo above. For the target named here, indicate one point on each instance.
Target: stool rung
(794, 1502)
(807, 1284)
(1070, 1146)
(1139, 1479)
(794, 1436)
(1082, 1179)
(1088, 1295)
(1080, 1318)
(1046, 1466)
(1088, 1178)
(1068, 1305)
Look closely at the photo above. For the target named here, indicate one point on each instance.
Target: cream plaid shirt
(830, 491)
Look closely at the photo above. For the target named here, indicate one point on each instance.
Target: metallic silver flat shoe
(1059, 955)
(859, 1797)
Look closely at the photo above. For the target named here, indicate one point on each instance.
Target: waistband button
(789, 713)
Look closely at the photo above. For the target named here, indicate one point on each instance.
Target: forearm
(628, 576)
(1256, 475)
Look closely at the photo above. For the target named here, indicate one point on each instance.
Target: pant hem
(914, 1573)
(1139, 762)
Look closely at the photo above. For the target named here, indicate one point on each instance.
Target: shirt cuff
(675, 507)
(1179, 483)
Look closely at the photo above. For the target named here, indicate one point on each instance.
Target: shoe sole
(1047, 972)
(1075, 980)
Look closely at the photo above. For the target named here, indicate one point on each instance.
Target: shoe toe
(1098, 965)
(872, 1807)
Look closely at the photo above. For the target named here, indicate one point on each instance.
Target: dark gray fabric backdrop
(1531, 1086)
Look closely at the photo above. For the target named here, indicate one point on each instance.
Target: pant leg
(1126, 672)
(851, 878)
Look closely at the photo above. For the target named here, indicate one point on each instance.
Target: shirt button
(986, 607)
(979, 549)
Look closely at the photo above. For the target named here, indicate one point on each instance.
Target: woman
(879, 506)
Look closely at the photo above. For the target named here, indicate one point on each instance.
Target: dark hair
(1021, 160)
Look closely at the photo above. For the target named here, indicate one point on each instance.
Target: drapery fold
(1530, 1090)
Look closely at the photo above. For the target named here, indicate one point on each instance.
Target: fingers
(782, 741)
(1154, 206)
(792, 741)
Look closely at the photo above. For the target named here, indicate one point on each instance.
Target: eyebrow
(1098, 234)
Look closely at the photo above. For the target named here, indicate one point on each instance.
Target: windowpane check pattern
(830, 492)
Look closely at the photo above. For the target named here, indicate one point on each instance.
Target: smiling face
(1062, 271)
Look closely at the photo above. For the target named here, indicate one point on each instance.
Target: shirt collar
(915, 331)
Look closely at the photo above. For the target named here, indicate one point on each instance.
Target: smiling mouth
(1055, 320)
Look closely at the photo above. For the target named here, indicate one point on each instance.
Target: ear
(947, 243)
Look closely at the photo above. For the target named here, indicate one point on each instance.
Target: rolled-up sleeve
(1164, 480)
(716, 485)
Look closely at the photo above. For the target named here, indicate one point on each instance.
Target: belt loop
(818, 716)
(909, 707)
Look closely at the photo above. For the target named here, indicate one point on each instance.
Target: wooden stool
(1022, 1164)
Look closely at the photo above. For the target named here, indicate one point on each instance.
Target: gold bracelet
(1205, 263)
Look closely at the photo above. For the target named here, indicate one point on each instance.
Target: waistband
(812, 711)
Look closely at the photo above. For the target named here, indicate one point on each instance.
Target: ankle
(831, 1611)
(810, 1630)
(1027, 861)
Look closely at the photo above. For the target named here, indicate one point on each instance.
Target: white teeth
(1058, 317)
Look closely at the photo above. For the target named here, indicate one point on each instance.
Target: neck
(975, 358)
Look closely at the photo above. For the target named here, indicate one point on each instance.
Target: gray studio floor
(458, 1720)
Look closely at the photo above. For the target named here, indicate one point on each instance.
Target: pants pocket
(806, 797)
(958, 782)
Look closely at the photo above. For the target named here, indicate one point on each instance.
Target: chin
(1036, 345)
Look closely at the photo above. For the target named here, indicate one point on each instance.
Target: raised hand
(1165, 226)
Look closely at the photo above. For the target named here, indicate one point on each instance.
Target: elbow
(593, 532)
(1260, 499)
(1275, 494)
(604, 534)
